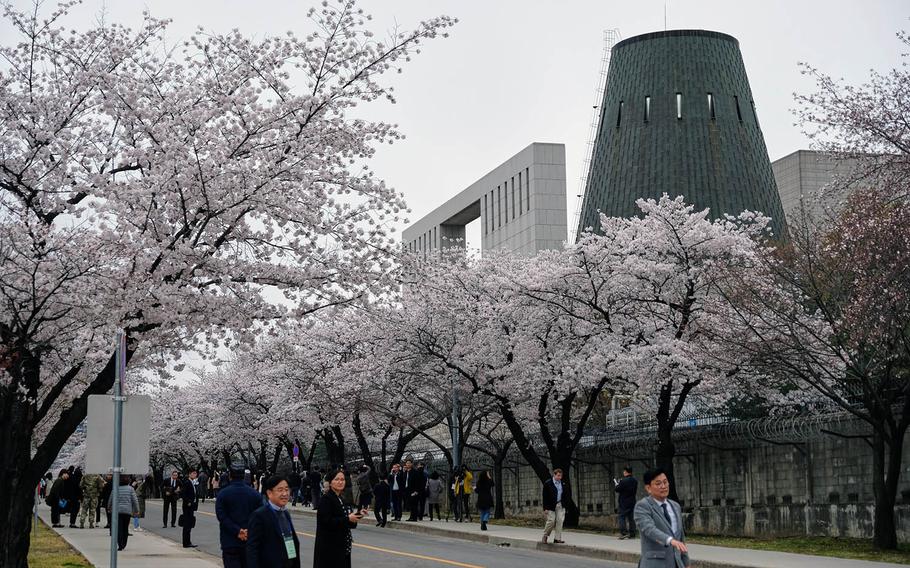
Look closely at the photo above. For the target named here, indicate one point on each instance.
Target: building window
(499, 205)
(711, 112)
(739, 113)
(486, 214)
(619, 115)
(519, 194)
(435, 240)
(528, 186)
(513, 197)
(678, 106)
(505, 197)
(647, 108)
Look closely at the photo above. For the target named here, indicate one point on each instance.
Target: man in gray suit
(660, 524)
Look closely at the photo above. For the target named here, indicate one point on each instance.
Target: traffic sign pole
(119, 369)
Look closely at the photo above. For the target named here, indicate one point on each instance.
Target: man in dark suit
(170, 489)
(627, 488)
(233, 507)
(189, 493)
(272, 541)
(663, 540)
(396, 489)
(414, 486)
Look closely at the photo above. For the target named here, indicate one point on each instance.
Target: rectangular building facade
(521, 205)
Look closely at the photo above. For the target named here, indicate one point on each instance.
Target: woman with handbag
(56, 499)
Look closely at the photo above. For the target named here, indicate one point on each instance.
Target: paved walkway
(611, 548)
(143, 550)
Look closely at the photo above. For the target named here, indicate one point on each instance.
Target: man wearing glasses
(659, 520)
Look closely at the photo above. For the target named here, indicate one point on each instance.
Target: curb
(570, 549)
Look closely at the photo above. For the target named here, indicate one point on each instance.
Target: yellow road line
(388, 551)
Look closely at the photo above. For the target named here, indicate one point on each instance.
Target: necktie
(667, 515)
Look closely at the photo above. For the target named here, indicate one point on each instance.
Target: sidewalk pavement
(605, 547)
(143, 550)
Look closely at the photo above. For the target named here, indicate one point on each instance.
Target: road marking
(408, 554)
(388, 551)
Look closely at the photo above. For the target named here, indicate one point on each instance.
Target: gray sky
(518, 71)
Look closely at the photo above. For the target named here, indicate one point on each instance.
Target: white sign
(134, 440)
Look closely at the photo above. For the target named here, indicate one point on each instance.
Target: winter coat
(435, 488)
(484, 492)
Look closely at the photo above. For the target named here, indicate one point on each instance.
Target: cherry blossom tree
(163, 190)
(865, 123)
(830, 320)
(664, 269)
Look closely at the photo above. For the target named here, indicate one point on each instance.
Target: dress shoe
(556, 541)
(623, 536)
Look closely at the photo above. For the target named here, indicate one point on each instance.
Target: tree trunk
(499, 510)
(276, 458)
(886, 465)
(365, 454)
(17, 485)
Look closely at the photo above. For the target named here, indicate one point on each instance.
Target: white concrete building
(521, 205)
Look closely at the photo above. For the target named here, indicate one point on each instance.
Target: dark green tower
(678, 118)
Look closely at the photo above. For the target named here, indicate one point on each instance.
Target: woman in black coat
(334, 521)
(484, 492)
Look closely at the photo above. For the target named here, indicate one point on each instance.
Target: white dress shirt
(674, 522)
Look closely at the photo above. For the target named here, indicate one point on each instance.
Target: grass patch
(48, 550)
(850, 548)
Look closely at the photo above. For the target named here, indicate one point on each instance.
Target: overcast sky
(520, 71)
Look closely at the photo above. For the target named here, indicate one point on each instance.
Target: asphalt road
(385, 548)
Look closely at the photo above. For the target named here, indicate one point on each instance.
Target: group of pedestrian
(189, 491)
(84, 495)
(657, 517)
(257, 533)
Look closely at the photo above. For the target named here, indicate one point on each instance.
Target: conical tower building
(678, 117)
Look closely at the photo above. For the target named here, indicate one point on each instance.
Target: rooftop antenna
(611, 37)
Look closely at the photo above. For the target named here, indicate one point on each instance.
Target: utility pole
(118, 398)
(456, 429)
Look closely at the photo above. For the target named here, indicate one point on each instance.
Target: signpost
(105, 447)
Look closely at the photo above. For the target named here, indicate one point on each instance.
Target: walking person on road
(484, 492)
(316, 486)
(435, 489)
(189, 494)
(334, 522)
(233, 507)
(555, 492)
(663, 541)
(203, 485)
(170, 489)
(383, 499)
(467, 489)
(127, 506)
(365, 493)
(627, 488)
(72, 492)
(106, 497)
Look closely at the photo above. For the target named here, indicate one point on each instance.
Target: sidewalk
(144, 549)
(611, 548)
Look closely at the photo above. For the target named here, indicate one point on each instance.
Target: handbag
(180, 520)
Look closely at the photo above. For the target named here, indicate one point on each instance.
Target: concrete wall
(755, 488)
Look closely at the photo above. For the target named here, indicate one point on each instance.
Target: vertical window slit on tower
(520, 209)
(528, 186)
(678, 106)
(619, 115)
(647, 108)
(739, 113)
(486, 215)
(498, 206)
(505, 196)
(513, 197)
(711, 106)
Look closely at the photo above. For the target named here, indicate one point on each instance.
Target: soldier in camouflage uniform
(91, 485)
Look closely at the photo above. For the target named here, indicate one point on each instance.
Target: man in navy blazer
(271, 539)
(233, 507)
